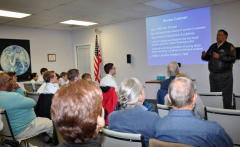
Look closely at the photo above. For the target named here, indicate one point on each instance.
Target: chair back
(6, 132)
(37, 86)
(162, 110)
(228, 119)
(158, 143)
(212, 99)
(28, 87)
(33, 95)
(43, 105)
(118, 139)
(237, 100)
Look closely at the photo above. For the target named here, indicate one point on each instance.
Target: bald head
(181, 92)
(173, 69)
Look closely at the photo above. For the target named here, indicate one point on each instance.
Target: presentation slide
(179, 37)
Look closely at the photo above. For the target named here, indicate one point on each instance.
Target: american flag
(97, 61)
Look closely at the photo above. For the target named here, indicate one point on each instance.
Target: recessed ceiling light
(163, 4)
(77, 22)
(13, 14)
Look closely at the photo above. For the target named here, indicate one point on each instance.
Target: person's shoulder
(213, 126)
(213, 45)
(103, 79)
(116, 113)
(152, 115)
(229, 43)
(146, 113)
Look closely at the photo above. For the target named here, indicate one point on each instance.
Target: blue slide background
(179, 37)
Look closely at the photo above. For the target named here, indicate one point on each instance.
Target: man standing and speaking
(220, 57)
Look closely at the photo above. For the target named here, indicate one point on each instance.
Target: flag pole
(96, 31)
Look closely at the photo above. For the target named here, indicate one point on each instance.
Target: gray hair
(181, 91)
(173, 68)
(129, 92)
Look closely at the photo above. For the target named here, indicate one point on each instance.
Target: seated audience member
(77, 113)
(109, 80)
(51, 80)
(182, 126)
(19, 108)
(73, 75)
(86, 76)
(15, 84)
(34, 77)
(198, 107)
(41, 88)
(64, 78)
(40, 78)
(59, 81)
(173, 70)
(134, 118)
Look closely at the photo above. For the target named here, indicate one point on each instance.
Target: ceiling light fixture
(13, 14)
(77, 22)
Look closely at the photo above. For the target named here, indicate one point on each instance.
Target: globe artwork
(15, 58)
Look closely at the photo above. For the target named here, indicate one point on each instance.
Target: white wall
(118, 40)
(43, 42)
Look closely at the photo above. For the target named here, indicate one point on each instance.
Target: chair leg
(26, 143)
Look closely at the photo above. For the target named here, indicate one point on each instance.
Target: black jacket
(227, 56)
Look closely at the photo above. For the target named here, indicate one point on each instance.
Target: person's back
(182, 126)
(134, 118)
(19, 110)
(173, 70)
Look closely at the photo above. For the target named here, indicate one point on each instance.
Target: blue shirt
(19, 109)
(165, 84)
(182, 126)
(134, 120)
(163, 90)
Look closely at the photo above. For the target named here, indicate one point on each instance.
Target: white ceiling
(47, 14)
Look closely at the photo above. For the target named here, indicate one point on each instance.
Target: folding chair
(228, 119)
(33, 95)
(212, 99)
(159, 143)
(28, 87)
(7, 134)
(119, 139)
(162, 110)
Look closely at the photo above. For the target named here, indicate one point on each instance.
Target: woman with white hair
(134, 118)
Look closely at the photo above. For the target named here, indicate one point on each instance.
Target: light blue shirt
(51, 88)
(19, 109)
(63, 82)
(182, 126)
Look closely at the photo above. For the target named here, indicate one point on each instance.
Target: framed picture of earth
(15, 56)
